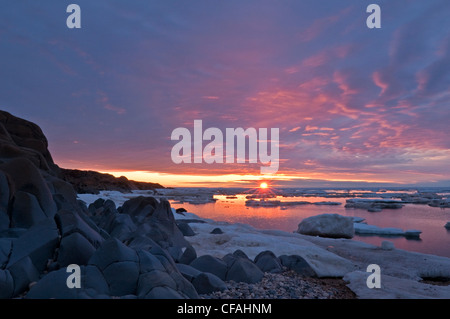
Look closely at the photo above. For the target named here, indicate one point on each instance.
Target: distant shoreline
(92, 182)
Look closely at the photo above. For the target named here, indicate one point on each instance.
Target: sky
(354, 106)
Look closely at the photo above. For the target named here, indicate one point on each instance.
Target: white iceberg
(365, 229)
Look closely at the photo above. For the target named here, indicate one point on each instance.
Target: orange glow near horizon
(233, 180)
(263, 185)
(242, 179)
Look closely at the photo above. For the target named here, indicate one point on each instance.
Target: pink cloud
(104, 100)
(341, 79)
(320, 25)
(377, 79)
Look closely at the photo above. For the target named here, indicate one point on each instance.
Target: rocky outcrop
(20, 138)
(327, 225)
(94, 182)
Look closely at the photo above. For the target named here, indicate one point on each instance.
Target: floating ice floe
(443, 203)
(284, 204)
(373, 205)
(327, 203)
(365, 229)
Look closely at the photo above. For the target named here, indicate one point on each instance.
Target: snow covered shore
(401, 271)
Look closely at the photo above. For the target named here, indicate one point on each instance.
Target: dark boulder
(208, 263)
(26, 210)
(54, 285)
(206, 283)
(244, 270)
(6, 284)
(268, 262)
(188, 255)
(298, 264)
(75, 249)
(188, 272)
(216, 231)
(38, 243)
(185, 229)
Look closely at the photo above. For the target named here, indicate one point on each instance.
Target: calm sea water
(435, 238)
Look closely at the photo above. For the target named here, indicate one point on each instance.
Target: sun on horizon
(263, 185)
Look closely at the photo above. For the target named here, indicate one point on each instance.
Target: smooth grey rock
(28, 178)
(99, 203)
(23, 273)
(268, 262)
(12, 233)
(64, 194)
(208, 263)
(26, 210)
(239, 253)
(184, 287)
(148, 262)
(175, 252)
(122, 226)
(103, 215)
(54, 285)
(327, 225)
(141, 242)
(5, 250)
(158, 260)
(188, 255)
(4, 220)
(71, 222)
(188, 272)
(206, 283)
(6, 284)
(185, 229)
(75, 249)
(244, 270)
(165, 259)
(140, 207)
(156, 220)
(447, 225)
(122, 277)
(229, 259)
(152, 279)
(38, 243)
(111, 251)
(298, 264)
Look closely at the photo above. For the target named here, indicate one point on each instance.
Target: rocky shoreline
(285, 285)
(92, 182)
(137, 250)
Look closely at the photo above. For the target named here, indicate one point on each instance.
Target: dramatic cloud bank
(352, 103)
